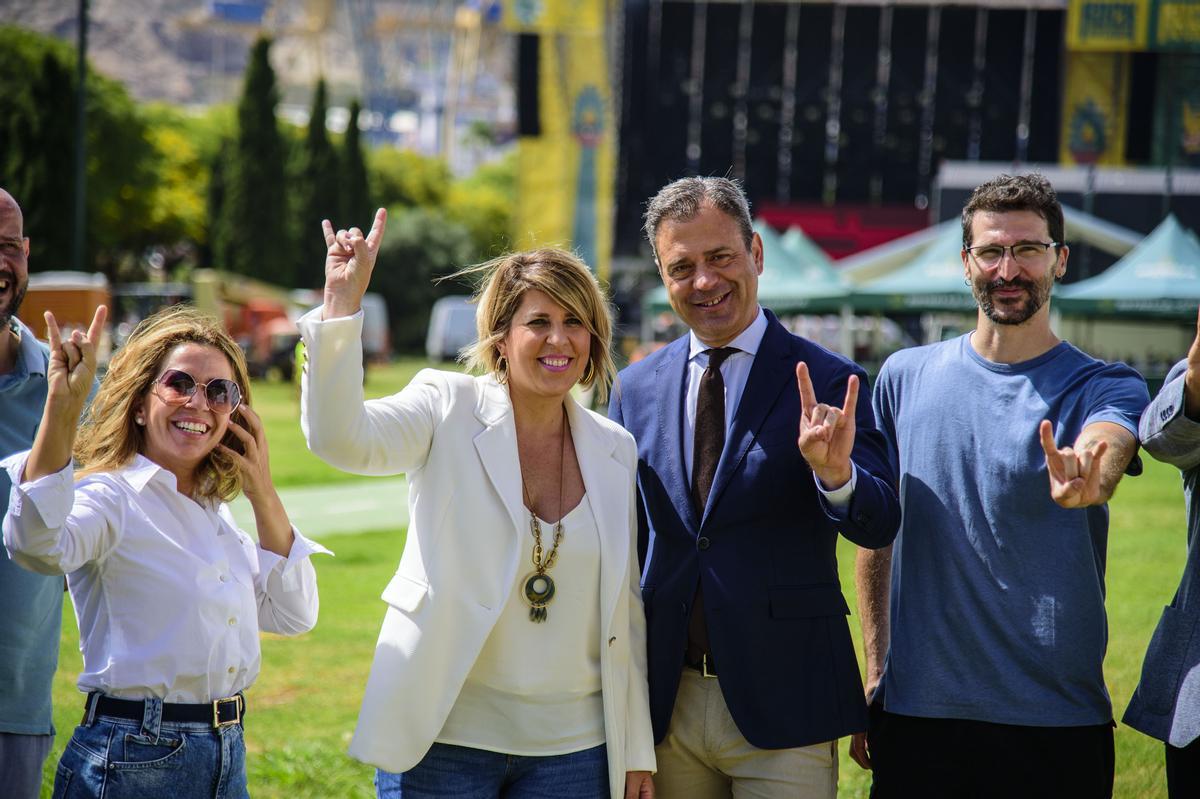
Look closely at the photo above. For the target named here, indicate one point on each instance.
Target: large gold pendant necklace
(539, 585)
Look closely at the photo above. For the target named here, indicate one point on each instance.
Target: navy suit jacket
(764, 549)
(1166, 704)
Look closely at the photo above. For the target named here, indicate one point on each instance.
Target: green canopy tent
(795, 279)
(803, 248)
(932, 281)
(890, 257)
(1159, 278)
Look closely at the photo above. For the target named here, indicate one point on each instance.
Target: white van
(451, 327)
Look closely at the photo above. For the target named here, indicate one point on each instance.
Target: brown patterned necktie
(709, 437)
(707, 443)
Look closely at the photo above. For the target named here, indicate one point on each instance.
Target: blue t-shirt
(30, 604)
(997, 602)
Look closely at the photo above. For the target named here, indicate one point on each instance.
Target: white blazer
(455, 438)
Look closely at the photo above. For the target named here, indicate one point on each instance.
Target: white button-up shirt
(170, 595)
(735, 371)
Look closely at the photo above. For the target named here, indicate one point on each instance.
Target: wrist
(62, 409)
(833, 478)
(337, 307)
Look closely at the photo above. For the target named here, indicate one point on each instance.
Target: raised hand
(826, 431)
(72, 366)
(349, 262)
(1074, 474)
(69, 374)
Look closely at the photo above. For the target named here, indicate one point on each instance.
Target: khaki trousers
(705, 757)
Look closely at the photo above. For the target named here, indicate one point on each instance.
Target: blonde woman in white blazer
(512, 658)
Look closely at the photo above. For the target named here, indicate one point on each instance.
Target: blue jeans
(465, 773)
(125, 759)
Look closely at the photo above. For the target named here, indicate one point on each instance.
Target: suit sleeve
(376, 437)
(873, 516)
(1165, 430)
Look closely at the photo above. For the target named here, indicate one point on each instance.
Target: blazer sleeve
(376, 437)
(639, 734)
(1165, 430)
(872, 518)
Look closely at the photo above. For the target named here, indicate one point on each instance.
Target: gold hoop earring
(502, 370)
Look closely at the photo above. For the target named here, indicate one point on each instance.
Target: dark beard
(1037, 296)
(7, 312)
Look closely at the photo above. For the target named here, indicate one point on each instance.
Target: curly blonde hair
(109, 436)
(564, 278)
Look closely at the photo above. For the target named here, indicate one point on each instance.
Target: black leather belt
(217, 713)
(704, 665)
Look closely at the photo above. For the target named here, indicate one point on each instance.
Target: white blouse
(535, 688)
(169, 594)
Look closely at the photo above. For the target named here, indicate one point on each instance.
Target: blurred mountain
(187, 51)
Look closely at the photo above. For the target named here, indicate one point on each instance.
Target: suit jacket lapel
(669, 381)
(496, 445)
(771, 372)
(608, 484)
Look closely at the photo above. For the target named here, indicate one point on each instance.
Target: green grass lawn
(303, 708)
(279, 405)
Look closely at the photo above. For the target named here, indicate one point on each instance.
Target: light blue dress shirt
(30, 604)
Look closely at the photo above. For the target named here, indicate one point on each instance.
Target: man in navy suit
(752, 672)
(1166, 704)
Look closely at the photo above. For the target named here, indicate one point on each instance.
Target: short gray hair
(681, 200)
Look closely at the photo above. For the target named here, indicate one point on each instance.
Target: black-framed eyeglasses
(176, 387)
(1025, 252)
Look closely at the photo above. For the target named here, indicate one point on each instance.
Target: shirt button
(612, 640)
(232, 621)
(231, 670)
(703, 543)
(224, 578)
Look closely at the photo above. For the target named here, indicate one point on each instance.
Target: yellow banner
(548, 16)
(1094, 109)
(1177, 25)
(566, 175)
(1108, 25)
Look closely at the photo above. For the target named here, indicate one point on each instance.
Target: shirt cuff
(51, 495)
(839, 497)
(290, 575)
(313, 317)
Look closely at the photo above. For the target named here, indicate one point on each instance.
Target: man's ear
(25, 246)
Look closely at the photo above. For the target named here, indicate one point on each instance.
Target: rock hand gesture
(349, 262)
(70, 374)
(826, 431)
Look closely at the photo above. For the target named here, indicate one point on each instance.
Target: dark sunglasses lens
(223, 395)
(179, 385)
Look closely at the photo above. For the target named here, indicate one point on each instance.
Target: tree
(216, 249)
(254, 224)
(322, 195)
(421, 245)
(356, 190)
(405, 178)
(483, 203)
(37, 162)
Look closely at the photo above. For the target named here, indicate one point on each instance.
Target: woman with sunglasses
(169, 594)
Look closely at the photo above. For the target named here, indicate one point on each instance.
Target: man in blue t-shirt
(1008, 443)
(30, 604)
